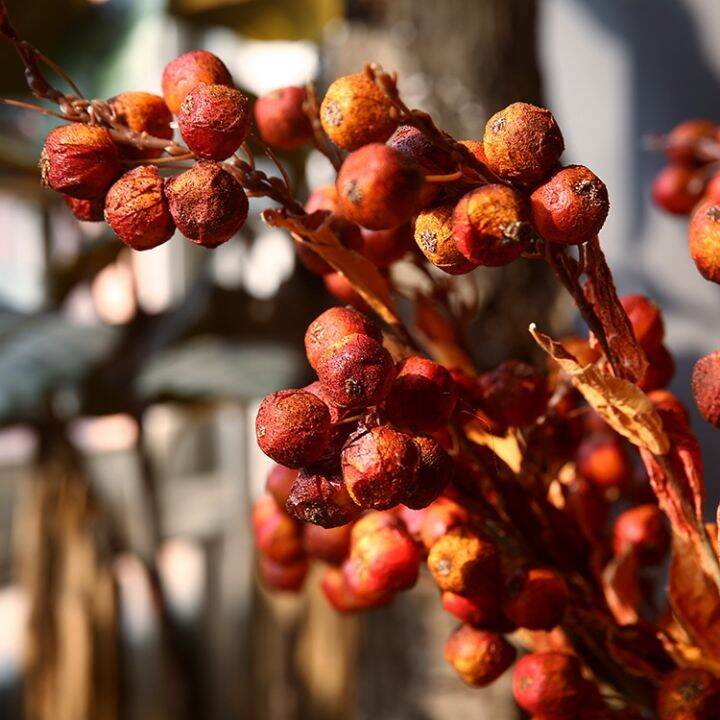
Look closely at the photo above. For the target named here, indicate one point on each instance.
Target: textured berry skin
(689, 690)
(460, 560)
(535, 598)
(281, 120)
(480, 609)
(706, 387)
(548, 684)
(660, 371)
(356, 372)
(137, 211)
(704, 239)
(643, 529)
(293, 427)
(435, 469)
(571, 207)
(79, 160)
(514, 393)
(332, 326)
(186, 71)
(282, 577)
(384, 247)
(319, 496)
(279, 482)
(378, 466)
(677, 188)
(422, 397)
(683, 138)
(341, 289)
(207, 203)
(144, 113)
(491, 225)
(478, 657)
(646, 320)
(277, 536)
(356, 112)
(522, 143)
(382, 561)
(602, 460)
(86, 210)
(331, 545)
(434, 236)
(379, 187)
(214, 120)
(337, 592)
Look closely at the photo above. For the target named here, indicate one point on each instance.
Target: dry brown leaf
(621, 585)
(359, 271)
(622, 405)
(506, 447)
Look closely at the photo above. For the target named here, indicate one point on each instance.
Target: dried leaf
(639, 650)
(694, 597)
(625, 407)
(506, 447)
(359, 271)
(600, 292)
(620, 580)
(440, 337)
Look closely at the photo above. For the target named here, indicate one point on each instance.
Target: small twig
(451, 177)
(34, 108)
(311, 108)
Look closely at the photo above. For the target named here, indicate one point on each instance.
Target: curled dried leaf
(506, 447)
(620, 581)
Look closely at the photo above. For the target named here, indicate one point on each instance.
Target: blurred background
(129, 382)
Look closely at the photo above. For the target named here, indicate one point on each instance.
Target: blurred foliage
(263, 19)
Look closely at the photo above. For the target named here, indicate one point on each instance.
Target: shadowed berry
(422, 396)
(281, 120)
(677, 188)
(683, 139)
(282, 577)
(439, 518)
(214, 120)
(571, 206)
(328, 544)
(293, 427)
(535, 598)
(602, 460)
(188, 70)
(338, 593)
(79, 160)
(522, 143)
(644, 530)
(137, 211)
(704, 239)
(384, 247)
(514, 393)
(142, 112)
(660, 370)
(332, 326)
(478, 657)
(319, 496)
(434, 236)
(279, 482)
(86, 210)
(491, 225)
(461, 559)
(207, 203)
(379, 187)
(341, 289)
(356, 372)
(548, 684)
(379, 466)
(689, 690)
(355, 112)
(479, 609)
(706, 387)
(277, 536)
(646, 320)
(435, 468)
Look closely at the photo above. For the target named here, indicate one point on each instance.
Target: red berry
(379, 466)
(706, 387)
(478, 657)
(548, 684)
(646, 320)
(282, 577)
(341, 288)
(137, 211)
(644, 530)
(522, 143)
(293, 427)
(207, 203)
(277, 536)
(86, 210)
(185, 72)
(435, 469)
(379, 187)
(689, 690)
(439, 518)
(491, 225)
(79, 160)
(603, 461)
(338, 593)
(571, 206)
(704, 239)
(214, 120)
(281, 120)
(660, 371)
(356, 372)
(144, 113)
(279, 482)
(434, 236)
(677, 189)
(328, 544)
(480, 609)
(384, 247)
(683, 139)
(535, 598)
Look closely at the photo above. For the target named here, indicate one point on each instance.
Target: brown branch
(311, 108)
